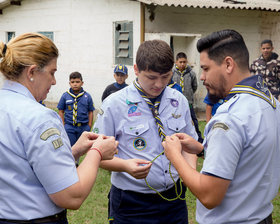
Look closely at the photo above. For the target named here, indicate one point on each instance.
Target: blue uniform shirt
(85, 104)
(242, 145)
(35, 156)
(128, 117)
(214, 106)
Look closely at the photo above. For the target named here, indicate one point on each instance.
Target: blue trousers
(127, 207)
(74, 132)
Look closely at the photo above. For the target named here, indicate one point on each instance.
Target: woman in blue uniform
(38, 177)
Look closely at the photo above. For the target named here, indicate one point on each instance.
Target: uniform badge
(48, 133)
(176, 116)
(220, 125)
(95, 130)
(57, 143)
(139, 144)
(100, 111)
(132, 111)
(69, 107)
(174, 103)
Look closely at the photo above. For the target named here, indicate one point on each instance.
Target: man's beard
(220, 93)
(213, 98)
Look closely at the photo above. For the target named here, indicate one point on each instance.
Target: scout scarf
(75, 105)
(253, 85)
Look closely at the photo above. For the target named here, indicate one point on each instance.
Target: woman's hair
(23, 51)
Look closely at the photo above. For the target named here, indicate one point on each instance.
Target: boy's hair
(181, 55)
(267, 41)
(225, 43)
(76, 75)
(154, 55)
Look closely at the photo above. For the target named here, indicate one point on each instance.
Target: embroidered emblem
(95, 130)
(176, 116)
(57, 143)
(220, 125)
(69, 107)
(100, 111)
(48, 133)
(139, 144)
(174, 103)
(261, 86)
(132, 111)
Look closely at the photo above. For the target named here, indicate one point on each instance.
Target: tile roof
(266, 5)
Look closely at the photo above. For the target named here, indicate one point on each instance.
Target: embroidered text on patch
(48, 133)
(220, 125)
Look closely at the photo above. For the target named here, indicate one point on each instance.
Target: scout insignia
(139, 144)
(95, 130)
(100, 111)
(220, 125)
(176, 116)
(69, 107)
(174, 103)
(48, 133)
(132, 111)
(57, 143)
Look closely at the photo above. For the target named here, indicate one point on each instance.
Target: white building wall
(83, 33)
(252, 24)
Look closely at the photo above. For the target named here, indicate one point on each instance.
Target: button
(177, 129)
(163, 153)
(165, 171)
(137, 133)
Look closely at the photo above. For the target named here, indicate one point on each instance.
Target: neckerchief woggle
(253, 85)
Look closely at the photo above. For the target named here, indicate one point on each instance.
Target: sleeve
(253, 68)
(194, 82)
(223, 145)
(105, 94)
(49, 153)
(90, 103)
(104, 123)
(61, 104)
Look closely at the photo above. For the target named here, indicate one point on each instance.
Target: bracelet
(201, 154)
(97, 151)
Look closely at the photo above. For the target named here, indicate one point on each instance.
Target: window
(47, 34)
(123, 43)
(10, 35)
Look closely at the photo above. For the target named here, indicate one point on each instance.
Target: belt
(52, 218)
(267, 220)
(79, 124)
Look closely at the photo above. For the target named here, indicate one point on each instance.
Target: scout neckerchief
(171, 83)
(154, 107)
(182, 73)
(75, 105)
(253, 85)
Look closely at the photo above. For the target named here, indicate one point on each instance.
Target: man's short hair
(225, 43)
(154, 55)
(76, 75)
(267, 41)
(181, 55)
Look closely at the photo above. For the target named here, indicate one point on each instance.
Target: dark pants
(195, 123)
(74, 132)
(127, 207)
(267, 220)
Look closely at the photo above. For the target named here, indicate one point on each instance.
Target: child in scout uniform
(120, 75)
(76, 108)
(145, 187)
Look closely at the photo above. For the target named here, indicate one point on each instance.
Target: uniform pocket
(176, 125)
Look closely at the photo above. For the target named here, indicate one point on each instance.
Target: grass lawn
(94, 209)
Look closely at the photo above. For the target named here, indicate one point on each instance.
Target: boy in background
(76, 109)
(186, 78)
(139, 116)
(211, 107)
(120, 75)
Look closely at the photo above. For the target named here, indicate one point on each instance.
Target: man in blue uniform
(145, 189)
(240, 174)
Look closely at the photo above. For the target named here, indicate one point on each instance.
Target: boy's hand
(107, 146)
(138, 168)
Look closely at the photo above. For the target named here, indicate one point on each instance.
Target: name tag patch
(48, 133)
(220, 125)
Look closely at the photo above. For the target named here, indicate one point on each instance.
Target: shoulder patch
(48, 133)
(57, 143)
(220, 125)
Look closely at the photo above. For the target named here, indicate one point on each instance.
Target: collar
(71, 91)
(17, 88)
(253, 85)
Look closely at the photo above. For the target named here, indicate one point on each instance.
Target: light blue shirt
(128, 117)
(35, 156)
(242, 145)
